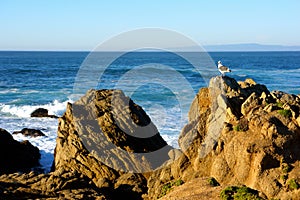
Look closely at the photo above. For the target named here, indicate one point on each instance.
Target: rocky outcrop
(240, 134)
(102, 139)
(30, 132)
(57, 185)
(106, 137)
(16, 156)
(41, 112)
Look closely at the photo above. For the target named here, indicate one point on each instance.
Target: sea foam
(54, 108)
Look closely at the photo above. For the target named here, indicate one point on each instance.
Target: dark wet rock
(16, 156)
(42, 112)
(30, 132)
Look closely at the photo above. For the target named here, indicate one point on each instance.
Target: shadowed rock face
(16, 156)
(239, 133)
(105, 135)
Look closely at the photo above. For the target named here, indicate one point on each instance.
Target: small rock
(269, 108)
(250, 81)
(30, 132)
(42, 112)
(277, 94)
(298, 121)
(247, 83)
(263, 96)
(249, 104)
(289, 99)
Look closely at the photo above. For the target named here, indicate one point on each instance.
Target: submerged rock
(16, 156)
(41, 112)
(30, 132)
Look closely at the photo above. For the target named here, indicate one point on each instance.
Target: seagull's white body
(223, 69)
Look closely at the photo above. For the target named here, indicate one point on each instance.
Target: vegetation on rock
(285, 113)
(239, 193)
(166, 188)
(292, 184)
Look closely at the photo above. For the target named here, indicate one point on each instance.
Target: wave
(12, 90)
(54, 108)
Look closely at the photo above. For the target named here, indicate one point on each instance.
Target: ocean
(30, 80)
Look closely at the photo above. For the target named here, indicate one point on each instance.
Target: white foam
(12, 90)
(54, 108)
(172, 140)
(46, 144)
(18, 118)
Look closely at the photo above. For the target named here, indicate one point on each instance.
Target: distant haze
(250, 47)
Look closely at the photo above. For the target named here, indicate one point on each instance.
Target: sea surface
(163, 83)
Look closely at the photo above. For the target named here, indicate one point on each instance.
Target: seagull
(223, 69)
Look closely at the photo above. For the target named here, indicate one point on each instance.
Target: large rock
(16, 156)
(56, 185)
(105, 136)
(240, 134)
(107, 148)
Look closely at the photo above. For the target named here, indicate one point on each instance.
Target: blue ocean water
(29, 80)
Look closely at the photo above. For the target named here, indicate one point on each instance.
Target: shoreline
(245, 107)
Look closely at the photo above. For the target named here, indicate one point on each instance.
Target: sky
(83, 24)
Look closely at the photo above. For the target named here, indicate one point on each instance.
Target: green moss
(236, 128)
(177, 182)
(285, 167)
(213, 182)
(279, 104)
(166, 188)
(285, 113)
(292, 184)
(284, 177)
(239, 193)
(240, 127)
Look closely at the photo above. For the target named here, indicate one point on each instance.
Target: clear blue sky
(83, 24)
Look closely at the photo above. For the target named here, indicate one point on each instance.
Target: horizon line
(233, 47)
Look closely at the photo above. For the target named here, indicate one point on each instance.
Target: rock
(105, 136)
(253, 156)
(269, 108)
(30, 132)
(247, 83)
(16, 156)
(235, 134)
(42, 112)
(251, 103)
(298, 121)
(277, 94)
(66, 185)
(97, 119)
